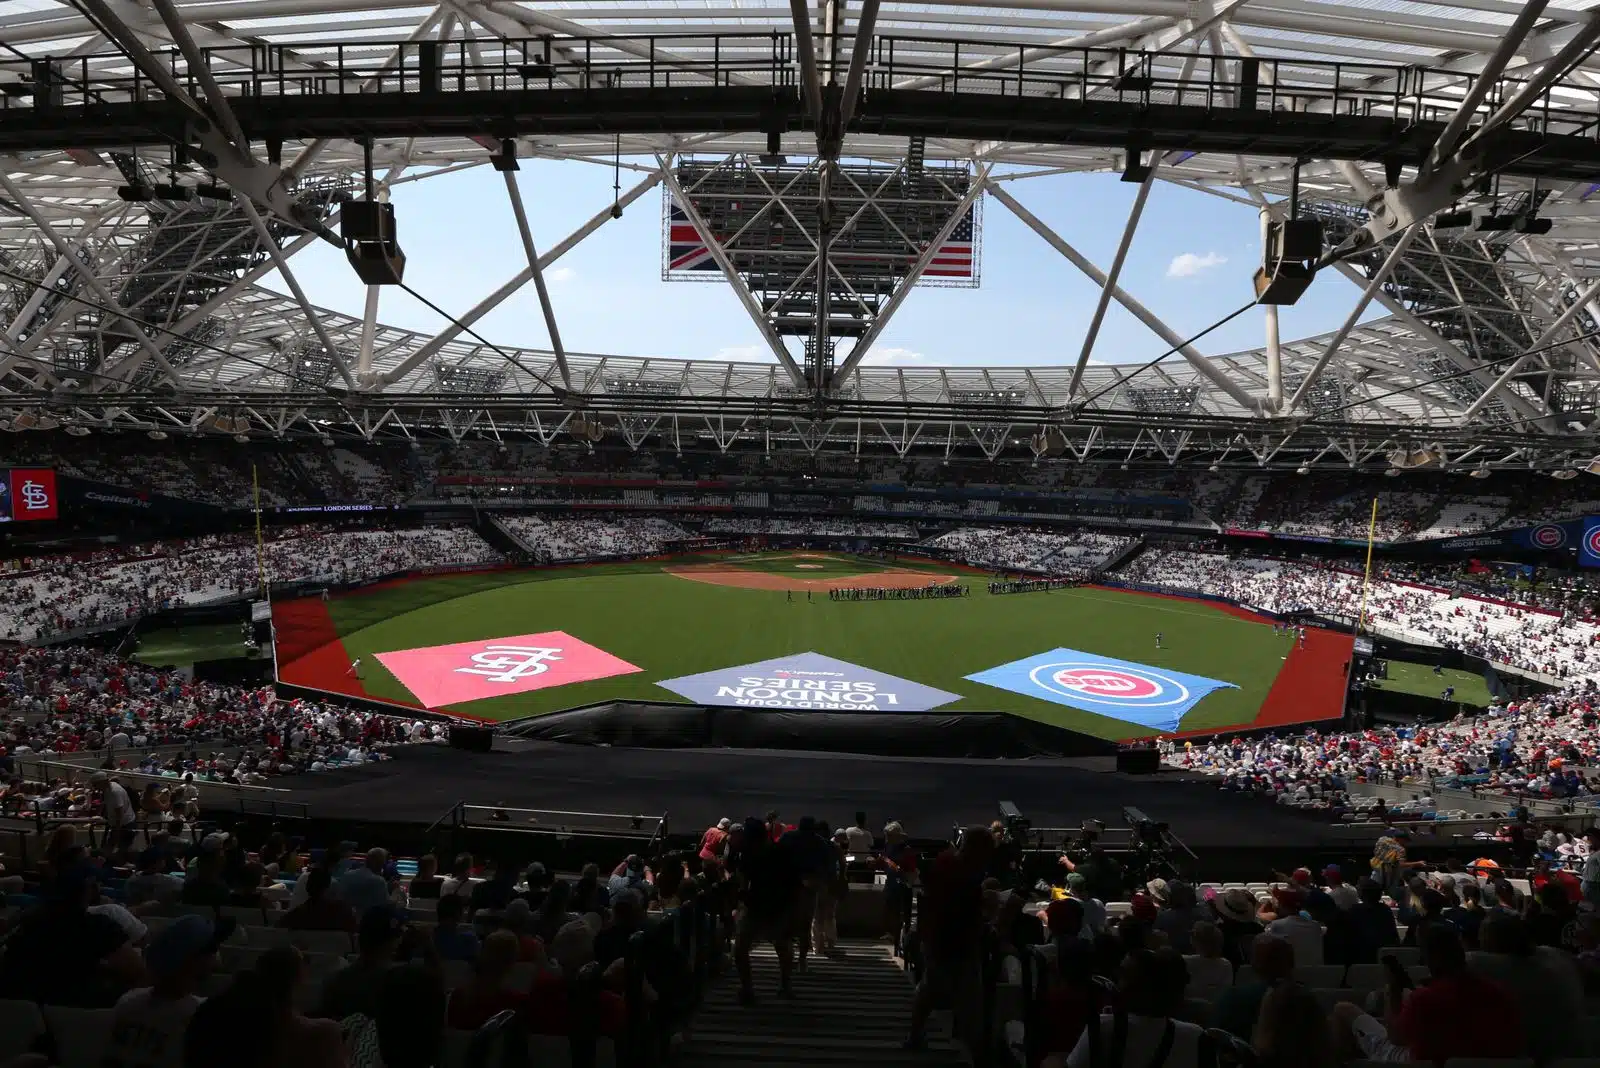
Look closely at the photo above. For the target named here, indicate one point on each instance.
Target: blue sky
(1190, 262)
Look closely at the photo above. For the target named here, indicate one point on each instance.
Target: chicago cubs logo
(1549, 536)
(1104, 684)
(1591, 541)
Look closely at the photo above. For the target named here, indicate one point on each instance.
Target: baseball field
(762, 631)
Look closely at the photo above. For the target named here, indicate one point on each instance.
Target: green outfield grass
(173, 646)
(1420, 679)
(669, 626)
(812, 565)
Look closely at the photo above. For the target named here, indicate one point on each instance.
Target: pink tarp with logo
(440, 675)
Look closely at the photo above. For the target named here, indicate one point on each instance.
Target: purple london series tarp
(808, 682)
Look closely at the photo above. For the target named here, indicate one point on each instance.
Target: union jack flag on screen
(686, 249)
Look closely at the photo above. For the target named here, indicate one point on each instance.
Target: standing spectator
(769, 894)
(1591, 868)
(148, 1023)
(1389, 863)
(1456, 1014)
(364, 887)
(950, 927)
(1467, 916)
(899, 863)
(825, 918)
(118, 810)
(860, 842)
(715, 841)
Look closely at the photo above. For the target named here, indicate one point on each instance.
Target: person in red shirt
(715, 838)
(950, 927)
(486, 994)
(1454, 1014)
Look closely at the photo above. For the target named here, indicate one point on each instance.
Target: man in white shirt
(118, 810)
(1344, 895)
(1591, 868)
(859, 838)
(1301, 932)
(148, 1023)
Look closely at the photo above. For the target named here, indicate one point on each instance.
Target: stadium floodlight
(78, 431)
(1565, 473)
(1213, 469)
(1452, 220)
(242, 439)
(157, 435)
(1480, 471)
(326, 440)
(1593, 466)
(136, 194)
(1303, 469)
(1392, 472)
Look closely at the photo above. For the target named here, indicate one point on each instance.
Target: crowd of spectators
(63, 701)
(816, 527)
(52, 595)
(552, 538)
(1008, 549)
(333, 957)
(1541, 747)
(1524, 638)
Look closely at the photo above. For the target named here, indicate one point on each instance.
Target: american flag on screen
(954, 258)
(686, 249)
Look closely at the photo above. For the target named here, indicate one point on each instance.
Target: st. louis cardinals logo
(1549, 536)
(1103, 684)
(509, 663)
(35, 498)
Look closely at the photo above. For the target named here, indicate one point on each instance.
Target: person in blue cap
(149, 1023)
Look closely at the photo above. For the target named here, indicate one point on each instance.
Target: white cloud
(1188, 264)
(559, 275)
(893, 355)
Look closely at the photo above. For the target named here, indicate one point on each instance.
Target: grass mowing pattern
(1420, 680)
(671, 627)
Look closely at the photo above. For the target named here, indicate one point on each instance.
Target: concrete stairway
(847, 1012)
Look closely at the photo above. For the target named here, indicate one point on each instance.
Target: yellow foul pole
(1366, 578)
(261, 556)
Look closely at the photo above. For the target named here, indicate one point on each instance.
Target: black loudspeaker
(472, 739)
(1145, 760)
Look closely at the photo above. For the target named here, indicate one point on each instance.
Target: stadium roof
(145, 313)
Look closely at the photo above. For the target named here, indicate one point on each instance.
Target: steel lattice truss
(148, 315)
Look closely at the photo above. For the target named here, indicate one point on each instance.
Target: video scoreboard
(28, 493)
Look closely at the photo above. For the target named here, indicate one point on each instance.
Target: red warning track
(310, 653)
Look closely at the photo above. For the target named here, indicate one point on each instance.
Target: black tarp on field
(641, 725)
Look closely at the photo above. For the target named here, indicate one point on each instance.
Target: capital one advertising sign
(808, 682)
(28, 493)
(439, 675)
